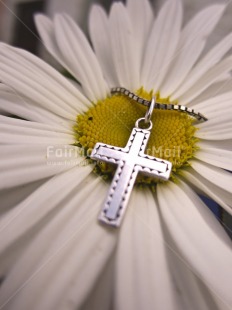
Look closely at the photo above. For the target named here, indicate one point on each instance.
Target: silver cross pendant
(130, 161)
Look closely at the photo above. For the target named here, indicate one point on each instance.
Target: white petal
(220, 120)
(181, 65)
(209, 60)
(217, 132)
(217, 144)
(214, 105)
(213, 90)
(77, 53)
(196, 206)
(141, 16)
(162, 44)
(72, 236)
(123, 46)
(192, 41)
(190, 291)
(33, 78)
(100, 37)
(16, 104)
(4, 88)
(215, 156)
(215, 175)
(46, 31)
(102, 295)
(16, 131)
(71, 49)
(218, 110)
(71, 94)
(20, 221)
(21, 164)
(205, 187)
(142, 273)
(198, 236)
(205, 80)
(13, 196)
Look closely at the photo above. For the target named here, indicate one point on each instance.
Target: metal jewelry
(130, 161)
(159, 106)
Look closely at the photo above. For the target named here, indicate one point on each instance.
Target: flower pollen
(111, 121)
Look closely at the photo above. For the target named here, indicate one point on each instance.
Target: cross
(130, 161)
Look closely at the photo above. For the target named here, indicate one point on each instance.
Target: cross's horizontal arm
(107, 153)
(155, 166)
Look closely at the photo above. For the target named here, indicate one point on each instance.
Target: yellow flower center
(111, 121)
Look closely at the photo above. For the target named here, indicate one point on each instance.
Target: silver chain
(159, 106)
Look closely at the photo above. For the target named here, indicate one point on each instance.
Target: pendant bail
(140, 120)
(150, 110)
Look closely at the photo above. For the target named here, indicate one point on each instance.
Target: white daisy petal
(216, 144)
(215, 156)
(4, 88)
(123, 46)
(142, 249)
(217, 176)
(33, 91)
(220, 120)
(45, 28)
(102, 295)
(31, 77)
(205, 80)
(196, 234)
(192, 42)
(208, 219)
(56, 193)
(14, 195)
(100, 37)
(161, 45)
(19, 221)
(208, 61)
(141, 16)
(205, 187)
(77, 53)
(213, 90)
(214, 105)
(219, 127)
(191, 293)
(16, 131)
(218, 111)
(21, 164)
(44, 287)
(216, 132)
(70, 94)
(83, 64)
(15, 104)
(224, 78)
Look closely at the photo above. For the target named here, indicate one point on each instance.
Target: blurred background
(17, 28)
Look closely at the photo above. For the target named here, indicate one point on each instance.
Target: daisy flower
(170, 252)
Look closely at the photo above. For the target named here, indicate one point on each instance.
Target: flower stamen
(111, 121)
